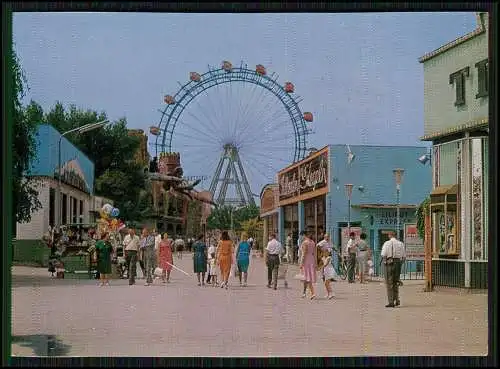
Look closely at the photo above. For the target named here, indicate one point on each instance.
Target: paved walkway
(76, 318)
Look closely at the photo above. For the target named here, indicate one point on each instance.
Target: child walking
(212, 266)
(328, 272)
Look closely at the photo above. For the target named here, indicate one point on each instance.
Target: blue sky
(357, 73)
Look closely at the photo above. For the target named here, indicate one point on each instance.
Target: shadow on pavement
(43, 344)
(42, 281)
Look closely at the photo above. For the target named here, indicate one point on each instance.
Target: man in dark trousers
(352, 252)
(393, 252)
(273, 251)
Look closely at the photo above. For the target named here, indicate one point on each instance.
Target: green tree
(220, 218)
(422, 209)
(112, 150)
(26, 120)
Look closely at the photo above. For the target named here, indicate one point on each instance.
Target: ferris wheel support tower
(234, 174)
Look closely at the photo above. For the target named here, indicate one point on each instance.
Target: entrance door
(383, 235)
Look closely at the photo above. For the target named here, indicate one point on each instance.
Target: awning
(445, 190)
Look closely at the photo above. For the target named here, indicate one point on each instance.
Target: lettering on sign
(414, 245)
(308, 176)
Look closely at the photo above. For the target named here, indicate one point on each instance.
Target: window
(447, 164)
(74, 211)
(81, 212)
(52, 207)
(64, 206)
(482, 78)
(458, 78)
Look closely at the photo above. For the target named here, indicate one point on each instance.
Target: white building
(456, 121)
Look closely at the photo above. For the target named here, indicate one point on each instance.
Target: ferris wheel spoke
(266, 155)
(213, 109)
(256, 168)
(263, 122)
(265, 164)
(204, 135)
(202, 124)
(269, 133)
(244, 112)
(209, 119)
(249, 119)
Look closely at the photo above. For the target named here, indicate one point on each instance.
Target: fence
(410, 270)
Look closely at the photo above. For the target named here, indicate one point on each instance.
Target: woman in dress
(165, 258)
(308, 264)
(104, 250)
(362, 257)
(224, 258)
(200, 259)
(243, 258)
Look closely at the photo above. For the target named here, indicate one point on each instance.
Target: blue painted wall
(372, 169)
(46, 161)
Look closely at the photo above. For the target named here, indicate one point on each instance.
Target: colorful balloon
(115, 212)
(107, 208)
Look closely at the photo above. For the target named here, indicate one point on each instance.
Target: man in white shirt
(273, 251)
(179, 246)
(289, 248)
(131, 245)
(352, 251)
(393, 253)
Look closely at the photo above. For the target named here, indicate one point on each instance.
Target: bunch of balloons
(109, 219)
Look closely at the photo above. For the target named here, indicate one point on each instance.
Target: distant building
(456, 122)
(77, 188)
(142, 156)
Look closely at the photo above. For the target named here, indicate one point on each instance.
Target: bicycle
(344, 268)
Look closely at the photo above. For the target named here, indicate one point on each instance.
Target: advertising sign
(305, 179)
(414, 245)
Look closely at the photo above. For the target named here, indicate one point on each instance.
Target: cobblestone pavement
(77, 318)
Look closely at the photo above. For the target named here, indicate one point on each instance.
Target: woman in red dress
(165, 258)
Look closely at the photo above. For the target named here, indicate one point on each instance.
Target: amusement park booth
(302, 196)
(269, 198)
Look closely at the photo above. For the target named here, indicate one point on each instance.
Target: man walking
(297, 252)
(289, 248)
(393, 252)
(352, 252)
(179, 246)
(131, 245)
(148, 254)
(273, 251)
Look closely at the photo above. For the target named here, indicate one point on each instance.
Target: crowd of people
(213, 263)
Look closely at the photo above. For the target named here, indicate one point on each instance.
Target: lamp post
(398, 175)
(348, 191)
(82, 129)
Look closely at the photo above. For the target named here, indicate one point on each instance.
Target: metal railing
(410, 270)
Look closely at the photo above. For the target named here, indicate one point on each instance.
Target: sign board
(345, 237)
(414, 245)
(305, 179)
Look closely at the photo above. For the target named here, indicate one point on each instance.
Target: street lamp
(348, 191)
(398, 175)
(425, 158)
(82, 129)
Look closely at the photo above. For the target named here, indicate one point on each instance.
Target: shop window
(74, 210)
(482, 78)
(52, 207)
(81, 211)
(458, 79)
(64, 206)
(446, 164)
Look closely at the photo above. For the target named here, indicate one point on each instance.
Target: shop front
(302, 196)
(269, 211)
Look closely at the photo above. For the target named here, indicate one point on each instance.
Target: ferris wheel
(236, 126)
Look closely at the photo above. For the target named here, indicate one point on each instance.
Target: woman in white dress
(212, 265)
(328, 272)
